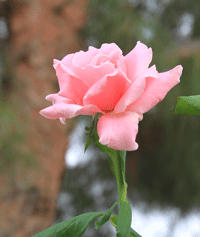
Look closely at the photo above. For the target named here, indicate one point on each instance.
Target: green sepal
(90, 130)
(88, 143)
(106, 216)
(187, 105)
(124, 220)
(113, 221)
(73, 227)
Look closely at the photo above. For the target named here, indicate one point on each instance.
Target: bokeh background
(45, 176)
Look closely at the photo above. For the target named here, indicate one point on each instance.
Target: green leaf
(113, 221)
(73, 227)
(188, 105)
(124, 220)
(106, 216)
(134, 233)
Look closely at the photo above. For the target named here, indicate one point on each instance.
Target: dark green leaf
(113, 221)
(74, 227)
(106, 216)
(188, 105)
(124, 220)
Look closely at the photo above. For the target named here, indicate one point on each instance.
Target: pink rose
(119, 87)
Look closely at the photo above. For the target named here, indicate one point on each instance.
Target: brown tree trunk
(40, 31)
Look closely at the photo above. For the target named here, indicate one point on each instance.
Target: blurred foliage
(12, 142)
(13, 150)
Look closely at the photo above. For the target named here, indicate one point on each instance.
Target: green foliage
(124, 220)
(12, 137)
(173, 11)
(74, 227)
(188, 105)
(106, 216)
(114, 21)
(113, 221)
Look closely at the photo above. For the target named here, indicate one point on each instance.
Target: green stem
(121, 184)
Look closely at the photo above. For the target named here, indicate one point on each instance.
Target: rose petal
(65, 108)
(156, 89)
(121, 64)
(82, 58)
(115, 56)
(91, 74)
(66, 63)
(106, 92)
(70, 86)
(138, 60)
(99, 59)
(55, 98)
(67, 60)
(119, 131)
(107, 48)
(135, 90)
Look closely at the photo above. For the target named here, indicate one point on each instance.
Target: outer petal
(70, 86)
(106, 92)
(65, 108)
(138, 60)
(156, 89)
(67, 60)
(119, 131)
(135, 90)
(66, 63)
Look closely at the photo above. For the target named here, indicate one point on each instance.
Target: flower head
(121, 88)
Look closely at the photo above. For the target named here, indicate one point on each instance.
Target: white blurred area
(164, 223)
(75, 154)
(148, 223)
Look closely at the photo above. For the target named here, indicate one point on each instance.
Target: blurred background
(45, 175)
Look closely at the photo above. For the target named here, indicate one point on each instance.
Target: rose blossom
(119, 87)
